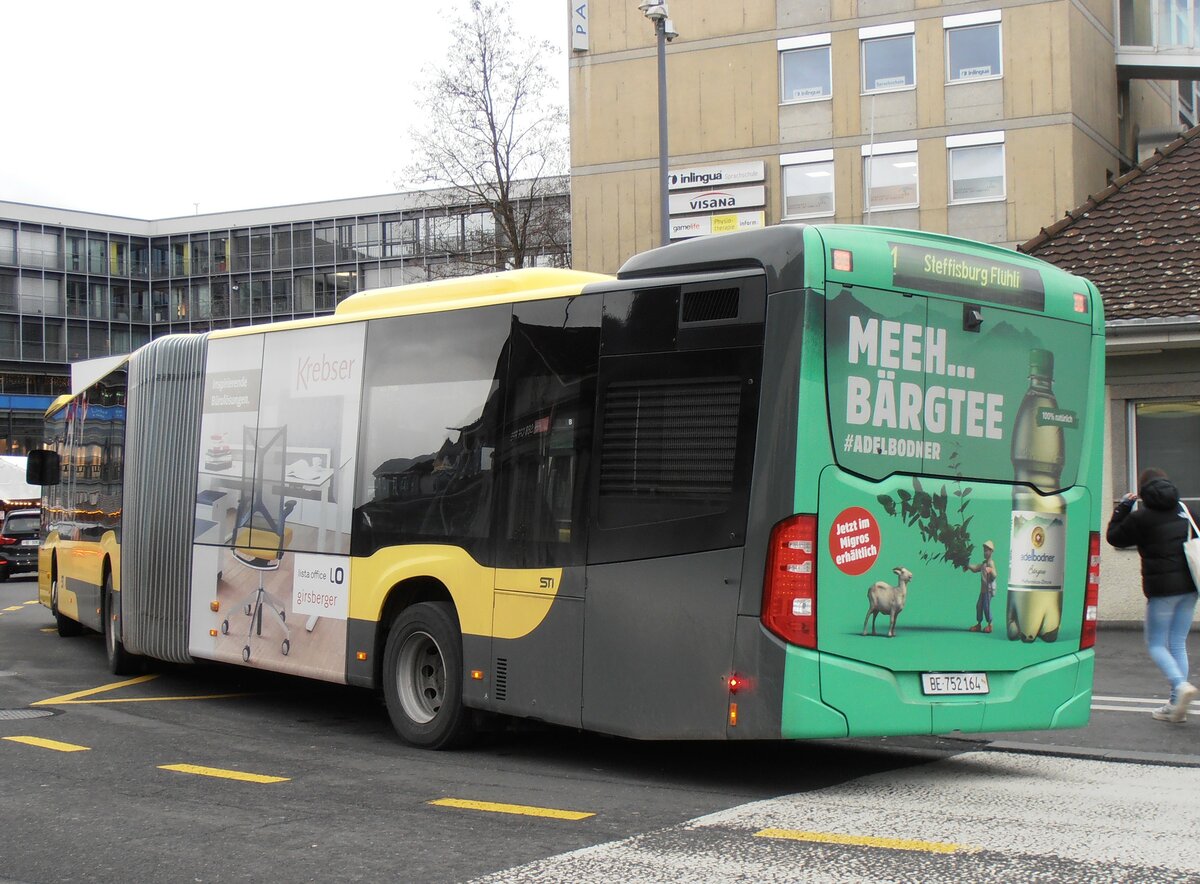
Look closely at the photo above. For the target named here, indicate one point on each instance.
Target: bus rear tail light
(789, 607)
(1091, 594)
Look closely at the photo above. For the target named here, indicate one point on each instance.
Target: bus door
(953, 522)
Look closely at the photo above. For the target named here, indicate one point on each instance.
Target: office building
(80, 285)
(987, 120)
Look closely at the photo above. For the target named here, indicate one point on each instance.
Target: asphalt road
(211, 773)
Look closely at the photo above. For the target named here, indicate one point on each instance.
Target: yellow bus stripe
(49, 744)
(522, 809)
(223, 774)
(866, 841)
(66, 698)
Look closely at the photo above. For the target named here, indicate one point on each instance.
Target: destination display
(966, 276)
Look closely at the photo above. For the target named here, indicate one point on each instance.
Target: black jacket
(1157, 529)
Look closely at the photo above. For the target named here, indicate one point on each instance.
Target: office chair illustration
(260, 532)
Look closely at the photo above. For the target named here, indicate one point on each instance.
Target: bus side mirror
(42, 467)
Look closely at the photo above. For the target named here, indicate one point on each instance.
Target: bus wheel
(120, 661)
(422, 676)
(67, 628)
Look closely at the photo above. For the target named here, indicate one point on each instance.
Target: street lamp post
(665, 32)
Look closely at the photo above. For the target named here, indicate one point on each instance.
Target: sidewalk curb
(1121, 756)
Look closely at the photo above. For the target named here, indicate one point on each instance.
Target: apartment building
(987, 120)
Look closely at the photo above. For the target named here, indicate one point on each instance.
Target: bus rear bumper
(829, 696)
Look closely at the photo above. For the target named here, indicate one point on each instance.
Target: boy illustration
(987, 588)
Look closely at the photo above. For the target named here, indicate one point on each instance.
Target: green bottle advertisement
(1039, 522)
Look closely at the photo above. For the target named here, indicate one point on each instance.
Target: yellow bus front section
(80, 567)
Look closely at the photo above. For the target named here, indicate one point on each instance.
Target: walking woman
(1158, 528)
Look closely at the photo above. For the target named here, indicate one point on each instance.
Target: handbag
(1191, 546)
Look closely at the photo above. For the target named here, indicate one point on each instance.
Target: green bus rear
(939, 568)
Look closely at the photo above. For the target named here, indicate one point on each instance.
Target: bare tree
(491, 138)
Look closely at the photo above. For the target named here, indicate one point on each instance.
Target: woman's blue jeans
(1168, 619)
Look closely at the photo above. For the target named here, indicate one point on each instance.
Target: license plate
(30, 542)
(954, 682)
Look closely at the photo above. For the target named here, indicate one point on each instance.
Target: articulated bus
(801, 482)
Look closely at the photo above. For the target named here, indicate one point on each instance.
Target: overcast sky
(145, 109)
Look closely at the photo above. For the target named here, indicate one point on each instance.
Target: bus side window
(429, 427)
(549, 400)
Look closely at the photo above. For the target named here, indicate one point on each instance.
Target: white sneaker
(1183, 697)
(1165, 713)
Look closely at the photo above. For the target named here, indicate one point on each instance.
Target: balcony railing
(1159, 39)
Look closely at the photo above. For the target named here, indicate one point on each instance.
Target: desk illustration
(301, 479)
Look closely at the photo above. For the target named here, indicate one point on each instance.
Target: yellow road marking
(48, 629)
(222, 774)
(13, 608)
(522, 809)
(867, 841)
(75, 699)
(144, 699)
(49, 744)
(32, 602)
(67, 698)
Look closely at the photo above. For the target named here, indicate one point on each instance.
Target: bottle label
(1038, 541)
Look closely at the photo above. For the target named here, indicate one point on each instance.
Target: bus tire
(423, 676)
(67, 628)
(120, 661)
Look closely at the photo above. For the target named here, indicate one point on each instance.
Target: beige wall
(620, 26)
(1093, 78)
(614, 216)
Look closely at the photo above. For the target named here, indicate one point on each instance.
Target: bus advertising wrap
(270, 570)
(965, 396)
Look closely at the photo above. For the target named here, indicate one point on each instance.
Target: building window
(1187, 103)
(976, 167)
(804, 68)
(807, 184)
(1166, 435)
(888, 58)
(444, 233)
(480, 228)
(890, 176)
(972, 46)
(400, 238)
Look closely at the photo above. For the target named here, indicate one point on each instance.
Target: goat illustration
(884, 598)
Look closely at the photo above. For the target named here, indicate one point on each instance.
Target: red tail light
(1091, 594)
(789, 607)
(6, 541)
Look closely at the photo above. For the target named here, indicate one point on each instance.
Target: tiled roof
(1138, 239)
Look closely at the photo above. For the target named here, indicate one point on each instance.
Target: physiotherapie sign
(703, 225)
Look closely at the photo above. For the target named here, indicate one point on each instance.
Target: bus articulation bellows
(809, 481)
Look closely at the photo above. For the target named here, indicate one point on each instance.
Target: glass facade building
(78, 285)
